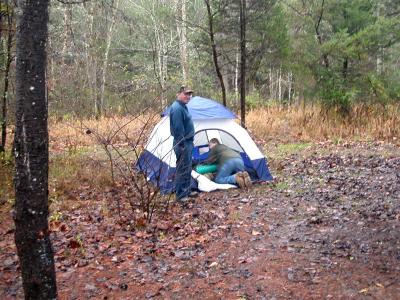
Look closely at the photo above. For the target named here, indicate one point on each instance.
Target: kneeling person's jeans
(183, 169)
(226, 173)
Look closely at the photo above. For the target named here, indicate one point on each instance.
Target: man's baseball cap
(185, 90)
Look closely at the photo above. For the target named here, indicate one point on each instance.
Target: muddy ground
(328, 227)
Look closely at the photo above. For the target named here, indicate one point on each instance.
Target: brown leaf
(73, 244)
(141, 234)
(141, 222)
(201, 239)
(164, 225)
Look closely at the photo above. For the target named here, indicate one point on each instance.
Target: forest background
(119, 56)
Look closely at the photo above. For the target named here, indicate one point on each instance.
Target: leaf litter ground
(327, 228)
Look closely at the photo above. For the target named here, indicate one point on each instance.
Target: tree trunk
(214, 50)
(31, 154)
(158, 68)
(90, 65)
(270, 83)
(280, 85)
(345, 67)
(379, 54)
(237, 64)
(102, 82)
(66, 34)
(379, 61)
(182, 32)
(163, 64)
(160, 59)
(4, 106)
(243, 63)
(290, 76)
(319, 36)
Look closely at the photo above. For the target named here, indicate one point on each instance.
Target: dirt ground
(328, 227)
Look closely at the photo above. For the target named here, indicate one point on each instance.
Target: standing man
(182, 129)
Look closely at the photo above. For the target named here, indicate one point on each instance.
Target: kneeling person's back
(221, 153)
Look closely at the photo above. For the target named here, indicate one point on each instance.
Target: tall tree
(103, 71)
(243, 62)
(211, 34)
(31, 154)
(266, 40)
(182, 33)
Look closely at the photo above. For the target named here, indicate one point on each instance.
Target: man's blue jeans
(183, 169)
(226, 173)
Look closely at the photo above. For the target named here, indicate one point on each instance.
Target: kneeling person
(230, 165)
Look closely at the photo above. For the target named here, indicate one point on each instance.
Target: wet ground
(327, 228)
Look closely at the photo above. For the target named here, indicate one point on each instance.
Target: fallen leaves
(326, 214)
(73, 244)
(57, 226)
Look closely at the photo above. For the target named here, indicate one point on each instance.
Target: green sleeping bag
(204, 169)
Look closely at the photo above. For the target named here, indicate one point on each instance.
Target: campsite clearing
(327, 228)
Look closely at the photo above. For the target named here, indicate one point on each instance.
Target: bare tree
(214, 50)
(182, 33)
(110, 32)
(243, 63)
(31, 154)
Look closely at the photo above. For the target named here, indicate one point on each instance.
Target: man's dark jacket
(181, 124)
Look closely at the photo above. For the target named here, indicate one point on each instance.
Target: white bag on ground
(206, 185)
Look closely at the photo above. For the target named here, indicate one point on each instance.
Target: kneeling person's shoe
(247, 179)
(240, 180)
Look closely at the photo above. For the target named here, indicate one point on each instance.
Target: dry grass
(309, 123)
(305, 123)
(78, 152)
(73, 133)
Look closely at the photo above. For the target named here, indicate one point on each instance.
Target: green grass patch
(282, 186)
(276, 153)
(287, 149)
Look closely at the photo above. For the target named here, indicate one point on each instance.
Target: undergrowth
(311, 123)
(78, 163)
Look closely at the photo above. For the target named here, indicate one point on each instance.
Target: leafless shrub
(122, 149)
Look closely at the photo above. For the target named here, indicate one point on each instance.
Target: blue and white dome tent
(211, 120)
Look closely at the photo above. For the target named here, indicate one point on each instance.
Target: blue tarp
(202, 108)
